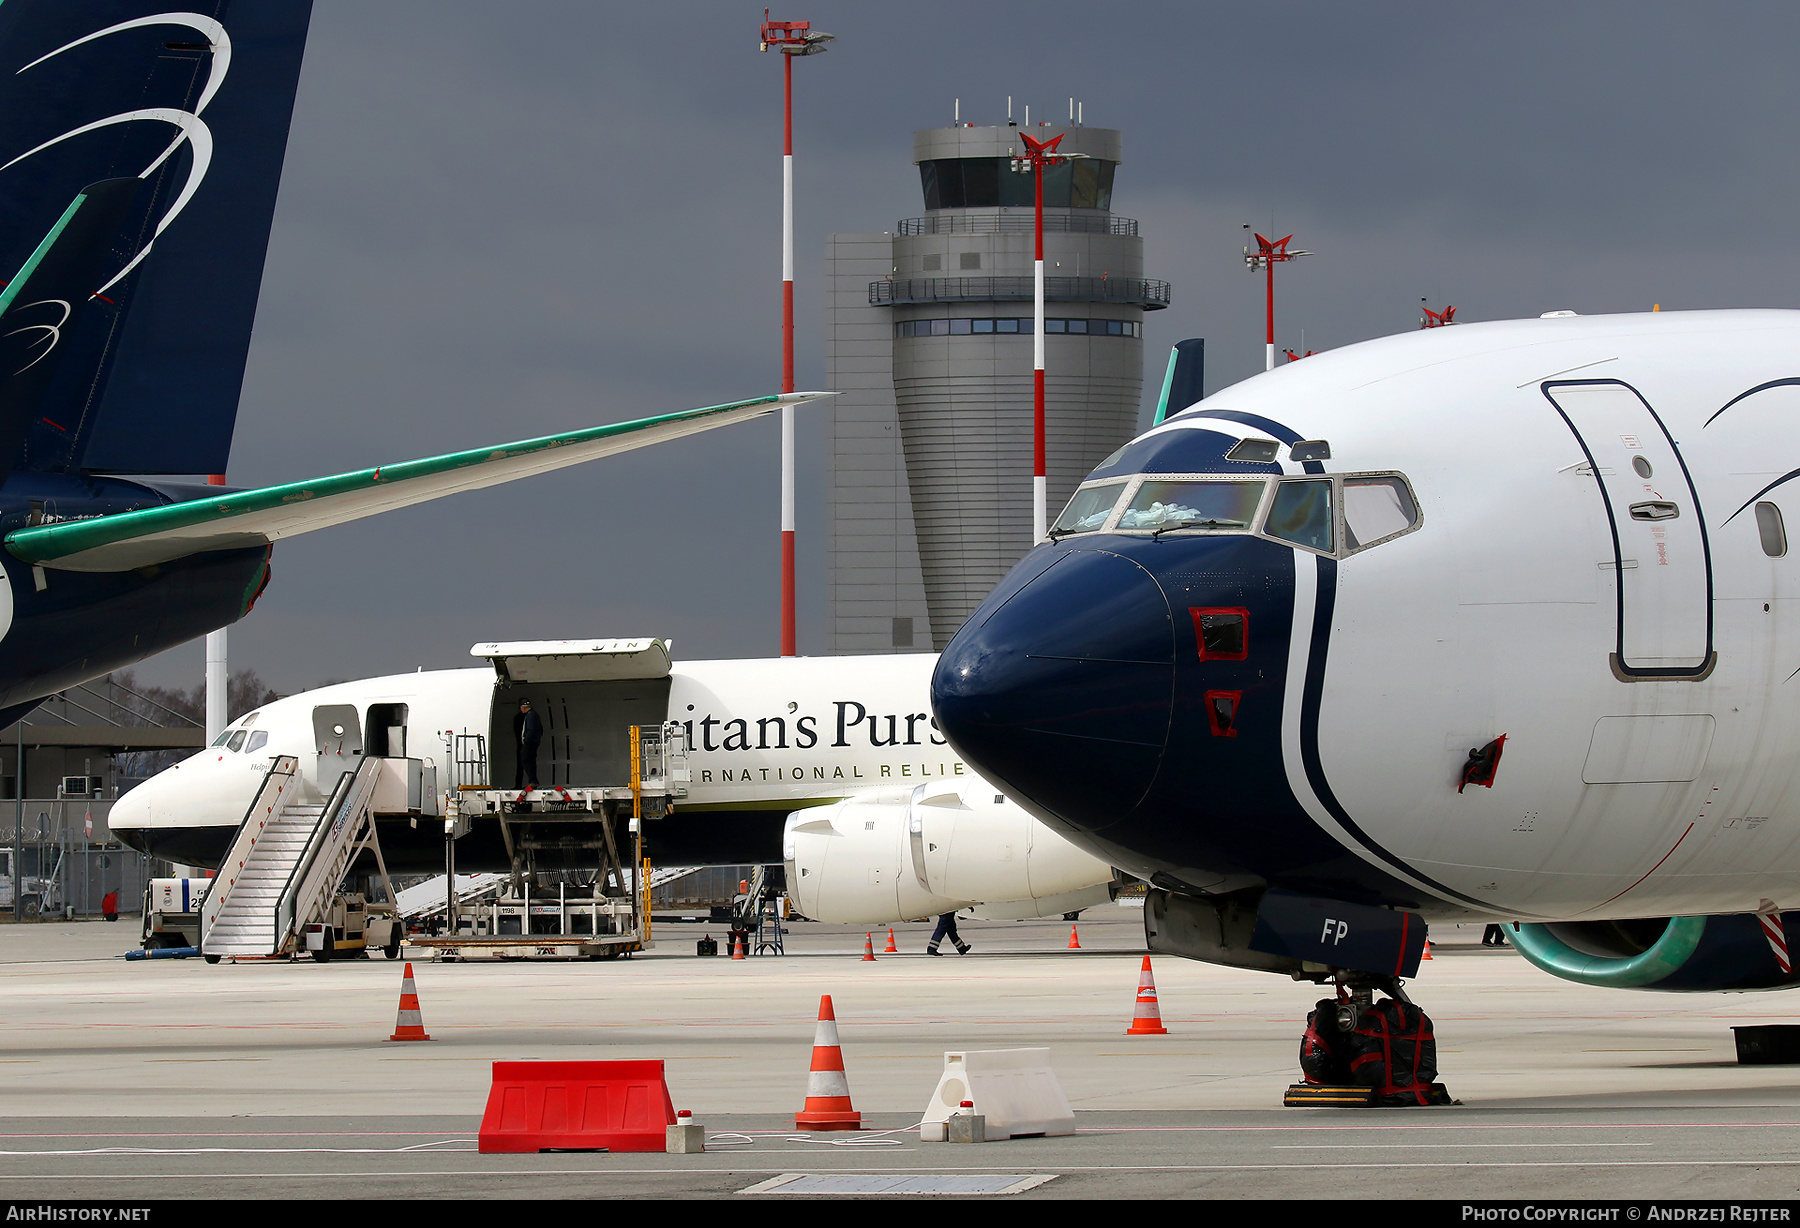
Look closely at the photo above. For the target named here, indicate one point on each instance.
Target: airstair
(429, 900)
(288, 861)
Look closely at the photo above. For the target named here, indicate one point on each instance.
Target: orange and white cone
(1427, 954)
(868, 948)
(737, 949)
(410, 1025)
(827, 1090)
(1074, 940)
(891, 948)
(1146, 1018)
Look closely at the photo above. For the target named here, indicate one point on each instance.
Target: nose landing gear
(1358, 1051)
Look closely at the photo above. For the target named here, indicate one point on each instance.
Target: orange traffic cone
(868, 948)
(1074, 940)
(410, 1025)
(827, 1090)
(891, 948)
(737, 948)
(1427, 954)
(1146, 1019)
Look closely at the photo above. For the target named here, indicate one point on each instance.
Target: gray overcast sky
(503, 219)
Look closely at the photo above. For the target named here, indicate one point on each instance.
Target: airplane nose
(130, 816)
(1060, 685)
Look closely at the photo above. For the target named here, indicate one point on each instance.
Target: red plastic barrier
(577, 1106)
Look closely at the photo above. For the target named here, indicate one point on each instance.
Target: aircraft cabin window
(1160, 506)
(257, 741)
(1642, 465)
(1772, 531)
(1301, 514)
(1376, 509)
(237, 740)
(1088, 510)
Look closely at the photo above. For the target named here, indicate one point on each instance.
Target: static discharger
(827, 1089)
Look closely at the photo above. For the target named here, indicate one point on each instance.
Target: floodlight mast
(1039, 154)
(1268, 254)
(791, 38)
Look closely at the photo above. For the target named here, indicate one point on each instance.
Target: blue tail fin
(1181, 383)
(193, 101)
(47, 302)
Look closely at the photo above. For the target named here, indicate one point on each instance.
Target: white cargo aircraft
(889, 825)
(1499, 620)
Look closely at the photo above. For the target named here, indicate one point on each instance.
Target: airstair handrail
(271, 799)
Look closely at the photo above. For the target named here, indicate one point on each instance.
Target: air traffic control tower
(928, 341)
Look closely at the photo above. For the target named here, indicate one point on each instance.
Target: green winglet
(253, 517)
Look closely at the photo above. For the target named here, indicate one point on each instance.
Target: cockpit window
(223, 738)
(1160, 506)
(1088, 510)
(1253, 451)
(1375, 509)
(237, 741)
(257, 741)
(1301, 513)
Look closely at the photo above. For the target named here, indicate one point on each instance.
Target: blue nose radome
(1060, 686)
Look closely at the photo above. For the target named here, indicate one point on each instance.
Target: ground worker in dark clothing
(528, 729)
(946, 926)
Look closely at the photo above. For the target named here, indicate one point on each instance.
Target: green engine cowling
(1671, 954)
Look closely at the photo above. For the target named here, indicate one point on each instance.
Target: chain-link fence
(67, 860)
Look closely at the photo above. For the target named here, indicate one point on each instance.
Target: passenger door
(338, 735)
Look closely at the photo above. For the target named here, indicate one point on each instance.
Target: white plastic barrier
(1015, 1089)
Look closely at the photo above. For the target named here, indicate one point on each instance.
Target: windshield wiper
(1208, 523)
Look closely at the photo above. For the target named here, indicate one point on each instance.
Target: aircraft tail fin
(1182, 381)
(194, 105)
(46, 302)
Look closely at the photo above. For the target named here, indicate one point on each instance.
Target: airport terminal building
(928, 341)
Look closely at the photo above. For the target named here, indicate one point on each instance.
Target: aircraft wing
(256, 517)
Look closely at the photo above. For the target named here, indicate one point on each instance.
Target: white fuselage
(772, 735)
(1593, 574)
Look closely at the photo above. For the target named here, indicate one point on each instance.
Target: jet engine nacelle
(895, 854)
(1673, 954)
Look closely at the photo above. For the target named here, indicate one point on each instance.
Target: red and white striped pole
(1040, 481)
(218, 668)
(791, 38)
(788, 637)
(1268, 254)
(1038, 154)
